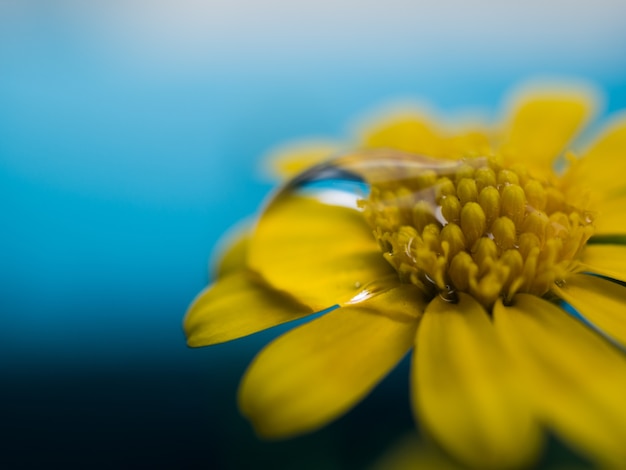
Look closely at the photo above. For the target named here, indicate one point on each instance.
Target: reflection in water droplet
(329, 184)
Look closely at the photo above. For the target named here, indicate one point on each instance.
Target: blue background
(131, 136)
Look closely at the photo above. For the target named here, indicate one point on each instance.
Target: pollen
(477, 228)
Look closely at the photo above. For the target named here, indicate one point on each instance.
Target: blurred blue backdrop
(131, 135)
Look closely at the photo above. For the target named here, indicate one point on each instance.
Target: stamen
(477, 228)
(513, 203)
(503, 231)
(473, 222)
(489, 200)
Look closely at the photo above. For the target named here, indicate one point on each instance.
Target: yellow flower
(467, 248)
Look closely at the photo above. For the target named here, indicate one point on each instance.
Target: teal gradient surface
(131, 138)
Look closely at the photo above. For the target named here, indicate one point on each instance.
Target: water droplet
(560, 282)
(373, 289)
(439, 216)
(588, 217)
(449, 294)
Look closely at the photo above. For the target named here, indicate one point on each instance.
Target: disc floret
(481, 228)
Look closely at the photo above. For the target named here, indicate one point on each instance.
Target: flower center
(476, 227)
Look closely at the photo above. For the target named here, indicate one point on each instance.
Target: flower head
(469, 248)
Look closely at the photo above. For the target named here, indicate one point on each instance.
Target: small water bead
(371, 289)
(455, 225)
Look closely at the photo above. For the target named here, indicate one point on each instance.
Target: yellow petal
(471, 142)
(321, 254)
(543, 123)
(234, 255)
(611, 217)
(604, 164)
(236, 306)
(413, 453)
(575, 378)
(318, 371)
(407, 132)
(606, 260)
(413, 132)
(291, 160)
(464, 391)
(601, 302)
